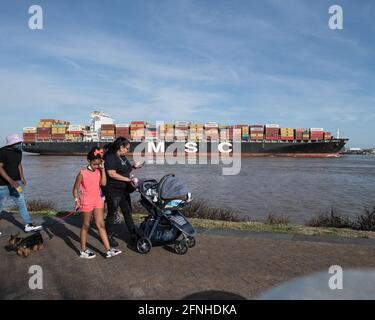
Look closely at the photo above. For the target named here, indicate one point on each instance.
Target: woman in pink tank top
(88, 198)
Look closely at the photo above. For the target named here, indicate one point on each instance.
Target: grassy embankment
(203, 216)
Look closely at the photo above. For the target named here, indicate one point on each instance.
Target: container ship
(59, 137)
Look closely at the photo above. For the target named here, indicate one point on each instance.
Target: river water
(297, 188)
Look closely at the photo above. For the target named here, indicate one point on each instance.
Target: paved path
(222, 265)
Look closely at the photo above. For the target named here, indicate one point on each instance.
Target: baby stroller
(165, 224)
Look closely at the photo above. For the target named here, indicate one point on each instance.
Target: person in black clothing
(119, 186)
(12, 180)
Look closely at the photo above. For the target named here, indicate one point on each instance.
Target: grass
(40, 207)
(274, 219)
(330, 220)
(254, 226)
(364, 221)
(202, 215)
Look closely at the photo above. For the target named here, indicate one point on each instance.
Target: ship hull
(321, 149)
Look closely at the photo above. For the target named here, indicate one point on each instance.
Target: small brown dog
(24, 246)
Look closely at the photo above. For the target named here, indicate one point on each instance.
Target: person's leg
(126, 208)
(19, 200)
(4, 195)
(99, 220)
(86, 219)
(113, 203)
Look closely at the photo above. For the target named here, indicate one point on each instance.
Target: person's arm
(114, 175)
(103, 175)
(138, 165)
(76, 186)
(23, 180)
(4, 175)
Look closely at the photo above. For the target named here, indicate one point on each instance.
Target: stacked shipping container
(211, 131)
(181, 130)
(166, 132)
(137, 130)
(59, 130)
(287, 134)
(108, 132)
(245, 133)
(122, 130)
(74, 133)
(151, 132)
(29, 134)
(223, 133)
(316, 134)
(327, 135)
(256, 132)
(196, 132)
(272, 132)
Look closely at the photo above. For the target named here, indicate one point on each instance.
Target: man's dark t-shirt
(11, 159)
(122, 166)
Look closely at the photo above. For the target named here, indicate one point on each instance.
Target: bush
(273, 219)
(330, 220)
(365, 221)
(38, 205)
(201, 210)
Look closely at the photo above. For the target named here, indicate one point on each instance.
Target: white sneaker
(87, 254)
(30, 227)
(112, 252)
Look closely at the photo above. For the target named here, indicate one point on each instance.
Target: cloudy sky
(240, 61)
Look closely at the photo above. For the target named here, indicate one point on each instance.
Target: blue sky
(247, 61)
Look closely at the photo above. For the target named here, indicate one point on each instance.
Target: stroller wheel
(191, 242)
(144, 245)
(181, 247)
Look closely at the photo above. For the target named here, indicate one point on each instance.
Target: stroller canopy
(171, 188)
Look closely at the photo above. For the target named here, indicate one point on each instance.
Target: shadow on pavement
(10, 218)
(214, 295)
(60, 230)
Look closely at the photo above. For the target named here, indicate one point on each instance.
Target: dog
(24, 246)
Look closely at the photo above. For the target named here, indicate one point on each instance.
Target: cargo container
(316, 134)
(327, 135)
(29, 130)
(44, 130)
(182, 124)
(29, 137)
(256, 132)
(58, 137)
(75, 127)
(151, 131)
(272, 132)
(287, 134)
(245, 132)
(107, 127)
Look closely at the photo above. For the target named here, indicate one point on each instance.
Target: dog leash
(57, 220)
(45, 227)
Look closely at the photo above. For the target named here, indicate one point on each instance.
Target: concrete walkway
(231, 265)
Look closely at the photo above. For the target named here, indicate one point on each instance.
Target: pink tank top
(90, 186)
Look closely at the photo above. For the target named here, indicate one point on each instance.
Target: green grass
(253, 226)
(202, 215)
